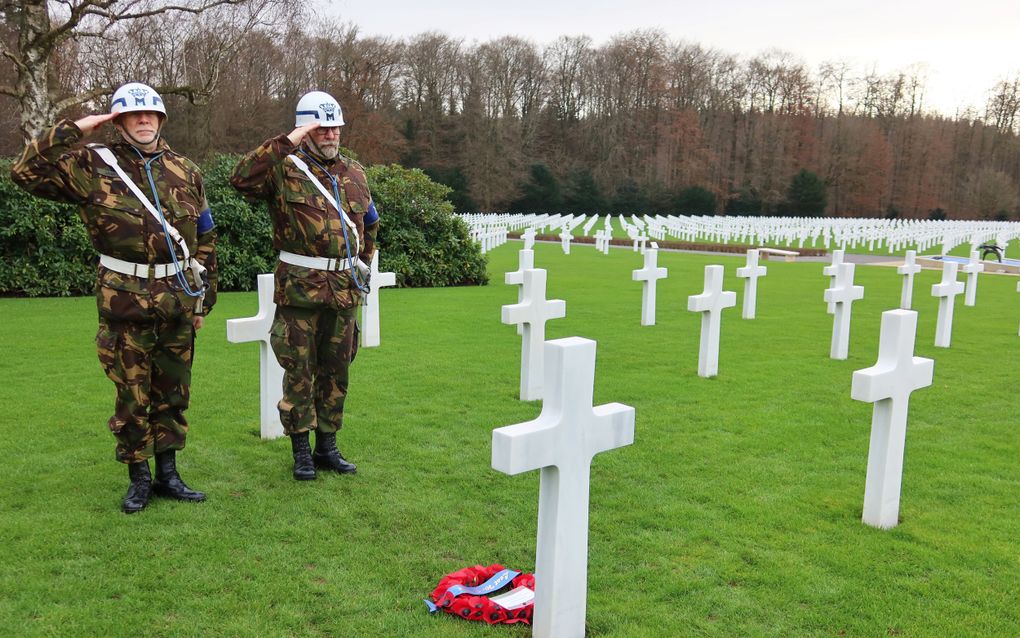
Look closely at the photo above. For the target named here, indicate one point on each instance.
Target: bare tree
(1003, 110)
(46, 29)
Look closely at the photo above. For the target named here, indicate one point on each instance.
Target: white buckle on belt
(317, 263)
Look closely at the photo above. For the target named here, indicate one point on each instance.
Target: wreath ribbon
(465, 592)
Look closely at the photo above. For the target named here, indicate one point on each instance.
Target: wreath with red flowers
(450, 595)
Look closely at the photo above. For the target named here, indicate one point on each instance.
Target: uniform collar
(122, 147)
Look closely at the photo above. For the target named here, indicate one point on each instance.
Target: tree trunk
(36, 47)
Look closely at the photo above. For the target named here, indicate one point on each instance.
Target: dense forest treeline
(641, 123)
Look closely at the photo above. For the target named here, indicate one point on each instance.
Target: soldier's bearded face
(325, 141)
(140, 128)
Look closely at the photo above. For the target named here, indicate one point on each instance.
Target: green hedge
(44, 248)
(244, 248)
(419, 238)
(46, 251)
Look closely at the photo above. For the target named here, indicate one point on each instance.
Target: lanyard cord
(181, 279)
(347, 243)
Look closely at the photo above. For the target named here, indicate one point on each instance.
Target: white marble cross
(842, 295)
(750, 274)
(710, 304)
(370, 309)
(908, 270)
(529, 238)
(831, 271)
(972, 268)
(561, 443)
(639, 242)
(649, 275)
(565, 237)
(888, 385)
(525, 260)
(946, 290)
(533, 311)
(270, 373)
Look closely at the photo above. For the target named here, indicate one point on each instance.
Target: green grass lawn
(735, 513)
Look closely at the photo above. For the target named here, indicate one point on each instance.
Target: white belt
(138, 270)
(318, 263)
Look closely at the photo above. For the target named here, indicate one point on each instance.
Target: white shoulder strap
(107, 156)
(300, 163)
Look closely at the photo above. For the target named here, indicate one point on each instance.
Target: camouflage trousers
(150, 363)
(315, 347)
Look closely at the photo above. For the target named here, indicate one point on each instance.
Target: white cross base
(370, 309)
(908, 270)
(649, 275)
(533, 311)
(842, 295)
(972, 268)
(561, 443)
(830, 272)
(750, 274)
(946, 290)
(270, 373)
(710, 304)
(888, 385)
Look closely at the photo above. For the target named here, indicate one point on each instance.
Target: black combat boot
(137, 496)
(328, 457)
(304, 470)
(168, 481)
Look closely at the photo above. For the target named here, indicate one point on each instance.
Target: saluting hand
(300, 132)
(90, 123)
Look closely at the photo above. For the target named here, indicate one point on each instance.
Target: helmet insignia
(139, 94)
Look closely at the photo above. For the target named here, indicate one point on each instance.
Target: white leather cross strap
(107, 156)
(138, 270)
(318, 263)
(197, 269)
(300, 163)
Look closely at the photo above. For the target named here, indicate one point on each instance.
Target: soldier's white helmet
(320, 107)
(135, 96)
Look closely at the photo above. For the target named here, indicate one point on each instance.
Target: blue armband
(205, 221)
(372, 216)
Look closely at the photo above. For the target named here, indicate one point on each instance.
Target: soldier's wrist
(283, 144)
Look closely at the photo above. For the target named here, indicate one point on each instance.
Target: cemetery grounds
(735, 513)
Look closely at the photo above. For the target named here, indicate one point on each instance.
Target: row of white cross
(561, 443)
(895, 234)
(839, 297)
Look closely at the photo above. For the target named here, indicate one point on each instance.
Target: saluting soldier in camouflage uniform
(324, 225)
(146, 212)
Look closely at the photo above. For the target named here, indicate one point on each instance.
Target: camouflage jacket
(119, 224)
(305, 223)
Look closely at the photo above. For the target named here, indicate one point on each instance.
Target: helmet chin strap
(133, 141)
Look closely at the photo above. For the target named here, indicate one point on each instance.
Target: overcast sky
(966, 45)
